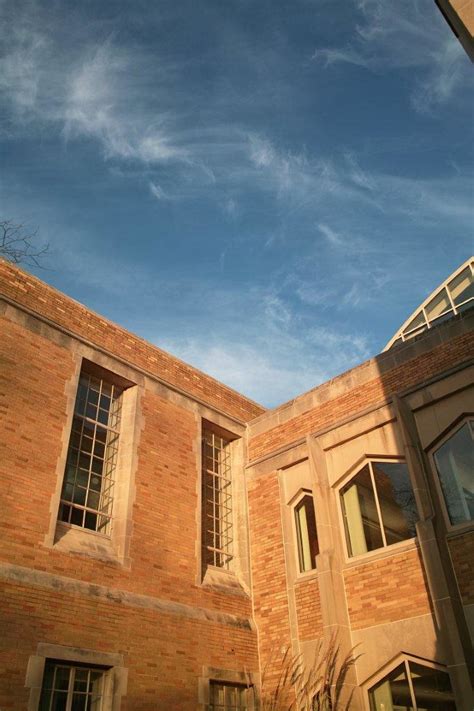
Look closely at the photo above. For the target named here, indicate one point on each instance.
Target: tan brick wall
(356, 399)
(165, 520)
(35, 295)
(461, 549)
(465, 10)
(164, 654)
(270, 594)
(386, 590)
(308, 610)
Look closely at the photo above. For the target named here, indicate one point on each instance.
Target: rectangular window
(71, 688)
(216, 500)
(87, 492)
(227, 697)
(379, 507)
(306, 534)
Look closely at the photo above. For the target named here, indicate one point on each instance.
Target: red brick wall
(35, 295)
(270, 594)
(164, 653)
(461, 549)
(385, 590)
(359, 398)
(308, 610)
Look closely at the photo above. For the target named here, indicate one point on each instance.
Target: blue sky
(266, 189)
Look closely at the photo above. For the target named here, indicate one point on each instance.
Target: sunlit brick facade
(165, 538)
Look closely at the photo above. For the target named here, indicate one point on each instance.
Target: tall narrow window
(306, 535)
(227, 697)
(379, 507)
(87, 492)
(455, 464)
(71, 688)
(216, 500)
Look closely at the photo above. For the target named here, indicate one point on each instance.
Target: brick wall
(45, 301)
(461, 549)
(270, 596)
(164, 654)
(386, 590)
(352, 399)
(308, 610)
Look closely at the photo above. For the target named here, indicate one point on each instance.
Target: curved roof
(454, 295)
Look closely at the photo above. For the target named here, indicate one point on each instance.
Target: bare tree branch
(17, 244)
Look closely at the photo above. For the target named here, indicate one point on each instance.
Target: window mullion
(72, 673)
(410, 684)
(377, 504)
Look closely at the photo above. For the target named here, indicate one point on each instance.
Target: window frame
(91, 370)
(384, 550)
(73, 668)
(230, 677)
(400, 659)
(229, 684)
(293, 504)
(112, 665)
(232, 552)
(454, 427)
(69, 538)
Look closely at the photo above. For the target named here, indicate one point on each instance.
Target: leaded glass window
(87, 492)
(71, 688)
(227, 697)
(216, 500)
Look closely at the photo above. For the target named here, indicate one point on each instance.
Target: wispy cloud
(406, 35)
(157, 191)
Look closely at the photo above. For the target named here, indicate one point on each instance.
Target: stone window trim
(350, 561)
(112, 664)
(452, 529)
(235, 579)
(112, 547)
(401, 658)
(293, 504)
(226, 676)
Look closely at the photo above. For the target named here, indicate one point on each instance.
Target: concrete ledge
(59, 583)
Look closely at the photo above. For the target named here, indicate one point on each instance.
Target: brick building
(163, 536)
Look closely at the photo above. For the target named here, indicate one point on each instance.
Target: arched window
(454, 462)
(413, 686)
(378, 507)
(306, 534)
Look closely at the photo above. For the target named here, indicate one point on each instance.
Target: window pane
(361, 519)
(72, 688)
(59, 701)
(396, 500)
(432, 689)
(307, 539)
(227, 697)
(437, 306)
(393, 693)
(462, 287)
(455, 465)
(415, 324)
(91, 443)
(216, 501)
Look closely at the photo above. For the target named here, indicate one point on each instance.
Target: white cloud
(406, 35)
(157, 191)
(332, 237)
